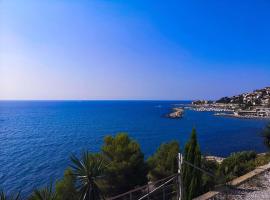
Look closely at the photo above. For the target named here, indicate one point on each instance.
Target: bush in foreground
(65, 188)
(237, 164)
(164, 162)
(46, 193)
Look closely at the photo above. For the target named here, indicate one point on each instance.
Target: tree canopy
(127, 168)
(164, 162)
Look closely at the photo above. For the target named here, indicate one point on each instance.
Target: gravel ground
(256, 188)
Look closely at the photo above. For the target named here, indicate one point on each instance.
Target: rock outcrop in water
(176, 113)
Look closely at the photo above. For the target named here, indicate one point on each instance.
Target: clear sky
(141, 49)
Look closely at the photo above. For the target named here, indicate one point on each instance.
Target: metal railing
(163, 189)
(169, 188)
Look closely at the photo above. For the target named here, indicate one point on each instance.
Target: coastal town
(255, 104)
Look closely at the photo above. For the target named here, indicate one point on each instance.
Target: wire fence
(169, 188)
(163, 189)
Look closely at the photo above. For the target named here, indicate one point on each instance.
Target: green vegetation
(87, 173)
(208, 182)
(127, 168)
(237, 164)
(262, 159)
(120, 166)
(46, 193)
(192, 178)
(164, 162)
(65, 188)
(4, 196)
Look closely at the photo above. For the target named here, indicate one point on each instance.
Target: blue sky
(67, 49)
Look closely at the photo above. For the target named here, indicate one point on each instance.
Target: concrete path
(256, 188)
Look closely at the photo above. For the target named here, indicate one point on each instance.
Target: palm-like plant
(87, 171)
(266, 136)
(46, 193)
(4, 196)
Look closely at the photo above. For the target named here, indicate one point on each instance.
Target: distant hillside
(259, 97)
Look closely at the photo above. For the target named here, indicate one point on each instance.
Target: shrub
(127, 168)
(164, 162)
(208, 182)
(262, 159)
(237, 164)
(65, 188)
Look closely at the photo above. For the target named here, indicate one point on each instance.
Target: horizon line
(94, 100)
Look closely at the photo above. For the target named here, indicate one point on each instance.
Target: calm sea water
(37, 137)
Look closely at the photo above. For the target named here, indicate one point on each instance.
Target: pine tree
(192, 178)
(127, 168)
(164, 162)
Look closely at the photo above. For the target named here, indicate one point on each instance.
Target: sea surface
(37, 137)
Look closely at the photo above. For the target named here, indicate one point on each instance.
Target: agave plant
(87, 172)
(46, 193)
(4, 196)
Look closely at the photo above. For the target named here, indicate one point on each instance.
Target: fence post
(163, 194)
(180, 160)
(148, 191)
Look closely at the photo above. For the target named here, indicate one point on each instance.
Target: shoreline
(240, 117)
(227, 111)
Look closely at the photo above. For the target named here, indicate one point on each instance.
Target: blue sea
(37, 137)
